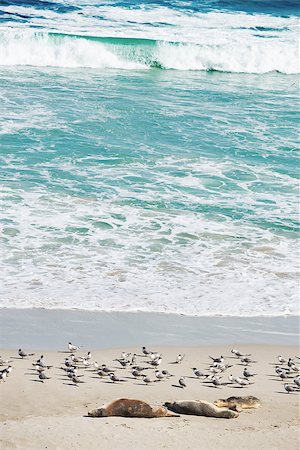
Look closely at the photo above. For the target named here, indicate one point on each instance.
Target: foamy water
(135, 173)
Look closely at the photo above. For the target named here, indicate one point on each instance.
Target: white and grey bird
(76, 380)
(101, 373)
(23, 354)
(113, 377)
(297, 381)
(155, 362)
(124, 363)
(231, 378)
(3, 375)
(125, 355)
(145, 351)
(106, 369)
(238, 353)
(182, 382)
(8, 370)
(159, 375)
(133, 359)
(72, 348)
(147, 380)
(283, 375)
(136, 373)
(294, 367)
(216, 382)
(246, 360)
(179, 358)
(281, 359)
(166, 373)
(214, 370)
(248, 374)
(217, 360)
(289, 388)
(43, 376)
(241, 381)
(198, 373)
(88, 356)
(155, 355)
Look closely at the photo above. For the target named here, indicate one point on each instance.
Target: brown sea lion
(127, 407)
(239, 403)
(200, 408)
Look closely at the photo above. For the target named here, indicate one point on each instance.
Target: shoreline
(51, 329)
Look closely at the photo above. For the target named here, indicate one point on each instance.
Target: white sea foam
(218, 41)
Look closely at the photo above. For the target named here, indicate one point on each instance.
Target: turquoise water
(128, 186)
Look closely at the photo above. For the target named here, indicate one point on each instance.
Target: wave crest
(42, 49)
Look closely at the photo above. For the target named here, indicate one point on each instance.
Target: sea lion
(127, 407)
(239, 403)
(200, 408)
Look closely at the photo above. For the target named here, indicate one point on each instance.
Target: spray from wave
(42, 49)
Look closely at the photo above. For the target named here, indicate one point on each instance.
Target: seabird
(216, 382)
(23, 354)
(114, 377)
(133, 359)
(198, 373)
(159, 375)
(241, 382)
(166, 373)
(145, 351)
(248, 374)
(124, 363)
(179, 358)
(42, 377)
(281, 359)
(289, 388)
(155, 362)
(76, 379)
(146, 379)
(72, 348)
(217, 360)
(182, 382)
(297, 381)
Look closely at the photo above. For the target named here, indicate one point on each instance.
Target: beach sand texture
(52, 415)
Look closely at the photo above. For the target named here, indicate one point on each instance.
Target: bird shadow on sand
(211, 386)
(70, 384)
(177, 386)
(37, 381)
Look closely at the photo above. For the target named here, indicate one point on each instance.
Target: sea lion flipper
(172, 414)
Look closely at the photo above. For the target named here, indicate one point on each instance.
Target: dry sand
(51, 415)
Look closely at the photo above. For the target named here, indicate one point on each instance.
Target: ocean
(149, 156)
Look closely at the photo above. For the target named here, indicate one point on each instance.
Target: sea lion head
(221, 403)
(97, 412)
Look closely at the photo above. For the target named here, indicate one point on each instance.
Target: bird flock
(147, 366)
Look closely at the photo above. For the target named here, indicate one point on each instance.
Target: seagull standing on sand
(216, 382)
(179, 358)
(289, 388)
(248, 374)
(72, 348)
(241, 382)
(23, 354)
(198, 373)
(146, 379)
(159, 375)
(281, 359)
(42, 377)
(114, 378)
(182, 382)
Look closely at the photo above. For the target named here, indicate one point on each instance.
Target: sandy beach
(52, 415)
